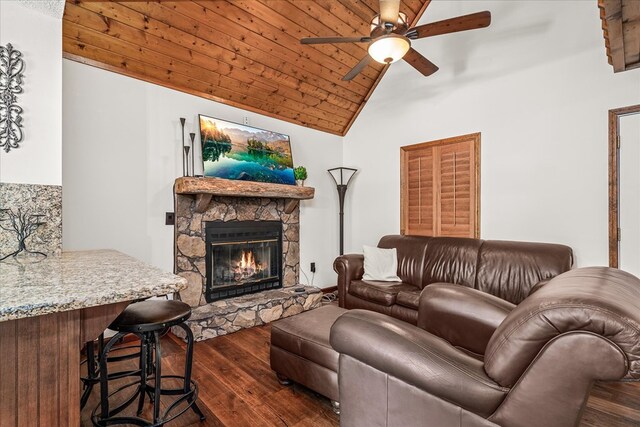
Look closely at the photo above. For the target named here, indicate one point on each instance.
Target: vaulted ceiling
(242, 53)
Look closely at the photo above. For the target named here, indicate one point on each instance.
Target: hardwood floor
(238, 388)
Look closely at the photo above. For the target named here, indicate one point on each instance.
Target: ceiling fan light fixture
(389, 48)
(402, 21)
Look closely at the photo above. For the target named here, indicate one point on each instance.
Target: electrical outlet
(313, 267)
(170, 218)
(245, 120)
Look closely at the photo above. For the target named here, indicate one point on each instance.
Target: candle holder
(184, 149)
(186, 155)
(193, 150)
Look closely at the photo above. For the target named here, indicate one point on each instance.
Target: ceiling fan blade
(320, 40)
(389, 10)
(452, 25)
(419, 62)
(359, 67)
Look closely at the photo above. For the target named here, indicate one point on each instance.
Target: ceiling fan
(390, 38)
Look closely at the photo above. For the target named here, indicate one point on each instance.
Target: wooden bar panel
(40, 365)
(8, 374)
(27, 374)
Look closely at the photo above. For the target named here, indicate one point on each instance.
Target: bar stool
(148, 320)
(93, 373)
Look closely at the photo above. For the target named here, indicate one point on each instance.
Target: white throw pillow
(380, 264)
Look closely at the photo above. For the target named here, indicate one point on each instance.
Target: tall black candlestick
(184, 172)
(193, 150)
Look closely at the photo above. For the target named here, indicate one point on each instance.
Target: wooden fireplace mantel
(205, 188)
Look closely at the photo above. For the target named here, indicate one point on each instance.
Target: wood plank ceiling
(242, 53)
(621, 27)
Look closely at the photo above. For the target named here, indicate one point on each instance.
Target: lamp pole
(342, 183)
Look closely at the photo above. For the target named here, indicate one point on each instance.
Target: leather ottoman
(300, 350)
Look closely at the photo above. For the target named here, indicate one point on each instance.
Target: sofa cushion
(451, 260)
(380, 264)
(409, 298)
(509, 270)
(307, 335)
(411, 251)
(383, 293)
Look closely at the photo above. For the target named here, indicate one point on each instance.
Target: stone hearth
(232, 314)
(198, 201)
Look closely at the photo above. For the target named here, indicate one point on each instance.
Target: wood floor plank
(238, 388)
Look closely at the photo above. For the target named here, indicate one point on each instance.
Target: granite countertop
(74, 280)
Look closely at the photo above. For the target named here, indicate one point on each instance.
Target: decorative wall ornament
(11, 68)
(23, 224)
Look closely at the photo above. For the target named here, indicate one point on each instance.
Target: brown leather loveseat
(536, 370)
(505, 269)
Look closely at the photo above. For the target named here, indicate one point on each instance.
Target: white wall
(537, 85)
(39, 38)
(122, 153)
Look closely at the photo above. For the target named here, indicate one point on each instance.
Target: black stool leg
(187, 371)
(104, 375)
(144, 349)
(92, 374)
(158, 375)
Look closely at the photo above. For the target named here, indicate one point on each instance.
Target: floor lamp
(342, 176)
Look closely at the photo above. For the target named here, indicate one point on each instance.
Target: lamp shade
(389, 48)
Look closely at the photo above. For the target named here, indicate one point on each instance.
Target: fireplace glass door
(242, 257)
(243, 263)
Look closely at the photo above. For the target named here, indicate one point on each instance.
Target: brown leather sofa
(507, 270)
(536, 370)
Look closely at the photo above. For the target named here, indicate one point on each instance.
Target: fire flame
(248, 262)
(247, 266)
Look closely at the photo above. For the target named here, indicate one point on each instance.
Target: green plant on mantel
(300, 173)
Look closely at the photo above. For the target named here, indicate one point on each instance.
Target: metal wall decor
(11, 68)
(23, 224)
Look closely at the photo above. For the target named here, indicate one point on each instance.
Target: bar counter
(48, 309)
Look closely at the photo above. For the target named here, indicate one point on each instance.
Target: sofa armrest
(415, 357)
(539, 286)
(349, 267)
(463, 316)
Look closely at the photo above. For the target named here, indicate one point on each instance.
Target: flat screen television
(234, 151)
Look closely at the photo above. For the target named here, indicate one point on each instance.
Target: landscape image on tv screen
(235, 151)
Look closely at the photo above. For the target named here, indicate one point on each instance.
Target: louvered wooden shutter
(420, 200)
(440, 187)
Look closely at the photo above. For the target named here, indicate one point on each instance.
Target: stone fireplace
(237, 244)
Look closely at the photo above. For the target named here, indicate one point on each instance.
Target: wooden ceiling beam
(621, 29)
(613, 17)
(631, 33)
